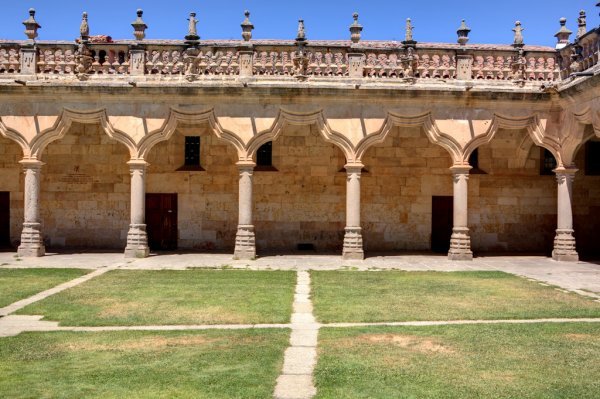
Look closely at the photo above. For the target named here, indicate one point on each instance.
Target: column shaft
(245, 243)
(460, 242)
(137, 238)
(353, 244)
(32, 243)
(564, 242)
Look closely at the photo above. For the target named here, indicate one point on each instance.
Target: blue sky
(434, 20)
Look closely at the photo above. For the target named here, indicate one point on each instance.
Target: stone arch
(536, 134)
(317, 118)
(176, 116)
(425, 121)
(66, 119)
(16, 137)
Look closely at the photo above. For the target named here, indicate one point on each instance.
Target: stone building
(262, 145)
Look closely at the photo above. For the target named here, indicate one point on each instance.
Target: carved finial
(301, 36)
(192, 30)
(563, 34)
(355, 29)
(582, 24)
(31, 25)
(84, 28)
(247, 27)
(518, 29)
(139, 27)
(463, 33)
(408, 36)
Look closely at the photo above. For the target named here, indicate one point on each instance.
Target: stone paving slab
(295, 387)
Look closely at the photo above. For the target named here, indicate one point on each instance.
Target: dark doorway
(4, 219)
(161, 221)
(442, 218)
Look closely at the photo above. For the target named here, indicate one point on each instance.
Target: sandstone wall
(404, 172)
(85, 190)
(304, 201)
(11, 180)
(207, 200)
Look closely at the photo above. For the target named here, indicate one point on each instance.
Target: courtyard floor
(298, 326)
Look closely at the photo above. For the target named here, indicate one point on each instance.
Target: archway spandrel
(464, 131)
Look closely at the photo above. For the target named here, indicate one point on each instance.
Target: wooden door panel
(161, 221)
(442, 220)
(4, 219)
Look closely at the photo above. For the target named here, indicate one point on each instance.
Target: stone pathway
(296, 379)
(55, 290)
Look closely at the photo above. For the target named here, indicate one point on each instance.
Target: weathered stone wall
(511, 208)
(11, 180)
(85, 191)
(207, 200)
(304, 201)
(404, 172)
(586, 209)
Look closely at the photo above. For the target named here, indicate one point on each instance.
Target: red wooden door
(442, 219)
(4, 219)
(161, 221)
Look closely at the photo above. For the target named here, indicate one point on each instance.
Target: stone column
(460, 242)
(245, 243)
(353, 244)
(32, 242)
(137, 239)
(564, 242)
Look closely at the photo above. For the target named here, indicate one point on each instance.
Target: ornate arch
(426, 121)
(64, 122)
(17, 137)
(285, 118)
(166, 131)
(536, 134)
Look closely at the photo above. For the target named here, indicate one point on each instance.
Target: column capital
(561, 170)
(461, 169)
(31, 163)
(246, 166)
(354, 167)
(138, 164)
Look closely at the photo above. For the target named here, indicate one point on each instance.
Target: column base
(460, 245)
(32, 243)
(564, 246)
(137, 242)
(353, 244)
(245, 243)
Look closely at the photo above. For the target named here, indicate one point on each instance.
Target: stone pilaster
(460, 242)
(356, 65)
(29, 60)
(137, 61)
(353, 243)
(137, 238)
(32, 241)
(464, 67)
(246, 63)
(245, 243)
(564, 242)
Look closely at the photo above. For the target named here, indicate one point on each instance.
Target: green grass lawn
(17, 284)
(347, 296)
(134, 297)
(212, 364)
(542, 361)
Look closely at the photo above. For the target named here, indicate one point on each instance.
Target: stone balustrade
(321, 59)
(581, 55)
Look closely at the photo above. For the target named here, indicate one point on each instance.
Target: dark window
(547, 163)
(264, 155)
(474, 162)
(474, 159)
(592, 158)
(192, 151)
